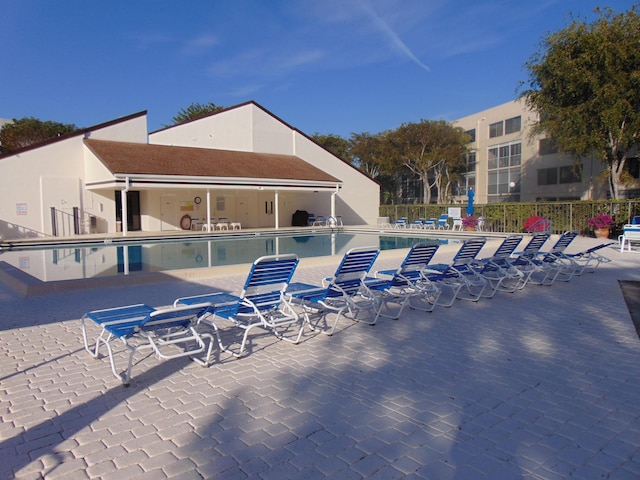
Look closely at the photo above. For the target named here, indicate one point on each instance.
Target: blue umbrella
(470, 201)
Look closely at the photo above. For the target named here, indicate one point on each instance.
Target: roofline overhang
(184, 182)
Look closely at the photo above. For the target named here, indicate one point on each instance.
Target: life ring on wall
(185, 222)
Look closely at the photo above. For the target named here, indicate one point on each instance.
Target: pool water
(76, 262)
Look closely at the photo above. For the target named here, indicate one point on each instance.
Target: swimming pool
(71, 262)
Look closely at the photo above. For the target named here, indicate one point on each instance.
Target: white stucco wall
(230, 130)
(250, 128)
(33, 181)
(54, 175)
(359, 199)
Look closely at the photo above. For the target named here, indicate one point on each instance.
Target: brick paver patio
(540, 384)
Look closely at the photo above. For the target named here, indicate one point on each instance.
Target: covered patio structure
(165, 187)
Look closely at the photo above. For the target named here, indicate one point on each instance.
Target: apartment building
(507, 164)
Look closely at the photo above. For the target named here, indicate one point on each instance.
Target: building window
(471, 162)
(495, 130)
(569, 175)
(558, 175)
(512, 125)
(547, 146)
(548, 176)
(472, 134)
(470, 177)
(504, 171)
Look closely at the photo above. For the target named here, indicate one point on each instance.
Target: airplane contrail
(395, 39)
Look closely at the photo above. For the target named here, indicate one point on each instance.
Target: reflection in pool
(73, 262)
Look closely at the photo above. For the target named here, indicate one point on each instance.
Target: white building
(506, 163)
(243, 164)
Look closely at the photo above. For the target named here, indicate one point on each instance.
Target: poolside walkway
(540, 384)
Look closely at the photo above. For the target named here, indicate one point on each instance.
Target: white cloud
(200, 44)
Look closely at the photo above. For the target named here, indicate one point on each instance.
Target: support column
(277, 219)
(125, 212)
(208, 210)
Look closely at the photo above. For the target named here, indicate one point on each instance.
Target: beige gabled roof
(141, 159)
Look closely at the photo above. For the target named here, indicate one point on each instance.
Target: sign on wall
(21, 209)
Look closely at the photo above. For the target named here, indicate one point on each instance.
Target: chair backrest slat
(268, 278)
(563, 242)
(535, 244)
(507, 247)
(358, 261)
(419, 256)
(468, 251)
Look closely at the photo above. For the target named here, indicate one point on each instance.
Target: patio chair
(170, 332)
(418, 223)
(584, 259)
(457, 224)
(630, 233)
(524, 261)
(459, 277)
(554, 264)
(222, 224)
(401, 222)
(406, 283)
(500, 275)
(320, 221)
(311, 219)
(344, 291)
(443, 222)
(430, 224)
(261, 303)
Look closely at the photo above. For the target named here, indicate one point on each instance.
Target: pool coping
(28, 285)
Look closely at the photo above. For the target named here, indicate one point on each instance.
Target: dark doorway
(133, 210)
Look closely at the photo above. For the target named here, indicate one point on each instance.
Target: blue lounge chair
(430, 224)
(400, 223)
(554, 265)
(459, 277)
(584, 260)
(500, 275)
(525, 261)
(418, 223)
(443, 222)
(345, 290)
(261, 303)
(311, 219)
(169, 332)
(406, 285)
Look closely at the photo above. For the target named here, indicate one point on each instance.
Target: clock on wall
(197, 200)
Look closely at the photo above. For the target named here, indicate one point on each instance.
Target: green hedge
(509, 217)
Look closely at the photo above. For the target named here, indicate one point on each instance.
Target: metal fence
(510, 217)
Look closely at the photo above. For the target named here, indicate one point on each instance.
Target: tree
(195, 111)
(335, 144)
(27, 131)
(433, 150)
(370, 153)
(584, 83)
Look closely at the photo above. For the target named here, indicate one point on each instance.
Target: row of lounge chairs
(441, 223)
(270, 300)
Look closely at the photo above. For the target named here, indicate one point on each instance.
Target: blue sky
(323, 66)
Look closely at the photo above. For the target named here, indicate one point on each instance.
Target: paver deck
(540, 384)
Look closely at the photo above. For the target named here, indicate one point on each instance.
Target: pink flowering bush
(602, 220)
(470, 221)
(534, 223)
